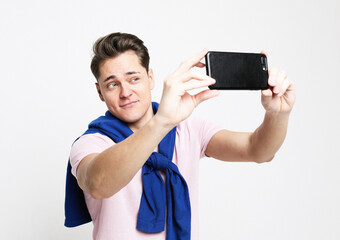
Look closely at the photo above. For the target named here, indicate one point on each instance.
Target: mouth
(129, 104)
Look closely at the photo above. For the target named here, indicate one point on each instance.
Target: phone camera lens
(264, 63)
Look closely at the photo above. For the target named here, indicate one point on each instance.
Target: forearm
(114, 168)
(268, 137)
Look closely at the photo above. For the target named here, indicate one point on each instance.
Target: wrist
(277, 117)
(273, 114)
(162, 123)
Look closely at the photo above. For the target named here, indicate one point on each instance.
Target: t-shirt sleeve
(206, 130)
(85, 145)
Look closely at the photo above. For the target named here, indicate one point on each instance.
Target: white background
(48, 97)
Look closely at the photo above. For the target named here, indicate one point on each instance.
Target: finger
(194, 84)
(272, 76)
(192, 74)
(265, 53)
(267, 96)
(200, 65)
(284, 87)
(205, 95)
(186, 65)
(267, 93)
(280, 77)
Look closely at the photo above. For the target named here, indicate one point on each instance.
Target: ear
(151, 79)
(99, 92)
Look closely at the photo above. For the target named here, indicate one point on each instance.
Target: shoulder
(88, 144)
(93, 139)
(91, 143)
(196, 133)
(198, 126)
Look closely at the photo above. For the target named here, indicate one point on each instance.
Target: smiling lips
(129, 104)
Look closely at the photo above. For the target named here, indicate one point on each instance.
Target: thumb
(266, 95)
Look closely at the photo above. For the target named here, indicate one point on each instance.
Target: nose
(125, 91)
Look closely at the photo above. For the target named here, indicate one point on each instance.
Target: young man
(115, 161)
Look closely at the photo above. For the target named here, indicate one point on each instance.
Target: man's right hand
(176, 103)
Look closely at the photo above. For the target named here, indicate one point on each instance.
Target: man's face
(125, 86)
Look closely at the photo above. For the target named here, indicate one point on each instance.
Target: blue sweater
(172, 198)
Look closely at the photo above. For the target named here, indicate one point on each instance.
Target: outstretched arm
(261, 145)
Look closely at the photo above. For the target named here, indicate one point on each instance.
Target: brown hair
(112, 45)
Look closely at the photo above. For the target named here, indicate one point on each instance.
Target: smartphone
(237, 71)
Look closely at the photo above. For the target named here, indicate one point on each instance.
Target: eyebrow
(126, 74)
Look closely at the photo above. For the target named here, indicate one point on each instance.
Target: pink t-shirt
(116, 217)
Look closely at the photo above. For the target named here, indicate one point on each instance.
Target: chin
(130, 118)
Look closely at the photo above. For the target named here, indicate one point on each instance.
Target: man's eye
(134, 79)
(111, 85)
